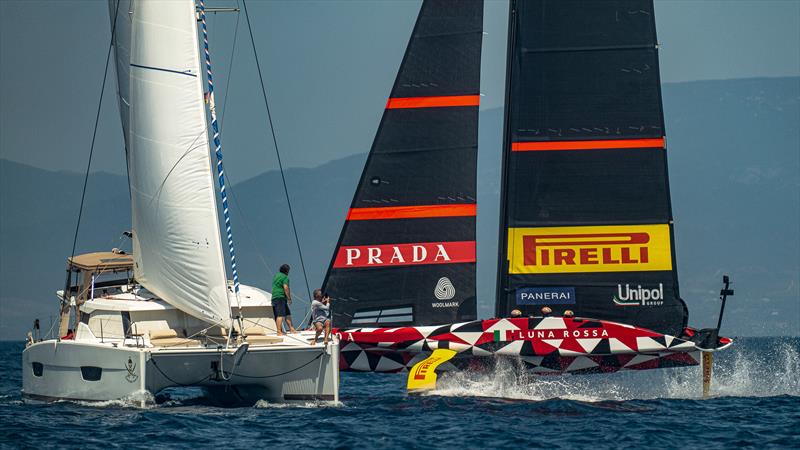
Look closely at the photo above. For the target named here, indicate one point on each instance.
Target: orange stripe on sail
(433, 102)
(586, 145)
(412, 212)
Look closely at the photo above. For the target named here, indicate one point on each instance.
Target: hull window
(91, 373)
(38, 369)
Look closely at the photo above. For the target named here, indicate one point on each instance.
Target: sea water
(756, 404)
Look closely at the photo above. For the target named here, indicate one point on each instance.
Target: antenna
(723, 295)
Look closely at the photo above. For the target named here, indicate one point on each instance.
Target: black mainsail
(587, 221)
(406, 254)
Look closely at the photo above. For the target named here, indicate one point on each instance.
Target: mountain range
(734, 162)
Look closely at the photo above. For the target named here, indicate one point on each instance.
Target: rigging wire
(221, 124)
(91, 147)
(230, 184)
(277, 151)
(155, 364)
(218, 153)
(282, 373)
(252, 239)
(230, 70)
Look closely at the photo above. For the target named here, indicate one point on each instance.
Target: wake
(742, 371)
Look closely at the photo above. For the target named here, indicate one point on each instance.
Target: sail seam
(455, 33)
(588, 48)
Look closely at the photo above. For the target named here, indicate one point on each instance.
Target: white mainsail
(176, 239)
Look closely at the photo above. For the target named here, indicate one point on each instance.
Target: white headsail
(176, 239)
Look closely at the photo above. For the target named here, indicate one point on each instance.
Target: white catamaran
(166, 315)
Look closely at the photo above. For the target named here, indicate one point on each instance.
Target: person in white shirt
(321, 315)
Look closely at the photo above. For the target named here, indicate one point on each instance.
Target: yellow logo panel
(618, 248)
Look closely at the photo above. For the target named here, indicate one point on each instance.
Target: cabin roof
(101, 261)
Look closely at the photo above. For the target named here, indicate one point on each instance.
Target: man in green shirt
(281, 299)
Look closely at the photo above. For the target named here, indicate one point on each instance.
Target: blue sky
(328, 65)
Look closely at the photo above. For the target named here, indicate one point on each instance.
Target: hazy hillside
(735, 182)
(734, 160)
(38, 210)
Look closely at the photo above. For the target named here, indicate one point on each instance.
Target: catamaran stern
(262, 373)
(67, 370)
(77, 371)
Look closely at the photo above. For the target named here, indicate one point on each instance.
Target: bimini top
(102, 261)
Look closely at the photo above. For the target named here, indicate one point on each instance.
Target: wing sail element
(587, 221)
(406, 254)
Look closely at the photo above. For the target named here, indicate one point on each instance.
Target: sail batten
(176, 238)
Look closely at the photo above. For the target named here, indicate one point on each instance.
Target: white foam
(139, 399)
(740, 373)
(510, 380)
(263, 404)
(751, 374)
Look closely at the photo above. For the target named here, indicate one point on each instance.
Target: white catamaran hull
(79, 371)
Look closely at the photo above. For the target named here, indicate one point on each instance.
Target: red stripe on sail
(587, 145)
(412, 212)
(391, 255)
(433, 102)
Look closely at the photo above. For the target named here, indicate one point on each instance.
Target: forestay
(176, 239)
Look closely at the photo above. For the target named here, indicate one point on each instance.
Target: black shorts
(281, 307)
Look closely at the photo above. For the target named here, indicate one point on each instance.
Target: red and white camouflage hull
(549, 345)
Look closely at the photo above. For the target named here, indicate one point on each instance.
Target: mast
(218, 152)
(502, 262)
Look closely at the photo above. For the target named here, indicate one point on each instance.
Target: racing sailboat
(586, 222)
(166, 315)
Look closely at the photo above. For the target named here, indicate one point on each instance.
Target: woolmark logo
(639, 296)
(444, 289)
(546, 296)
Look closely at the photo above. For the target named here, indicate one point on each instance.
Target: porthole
(91, 373)
(38, 369)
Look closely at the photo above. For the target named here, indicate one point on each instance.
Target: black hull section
(550, 345)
